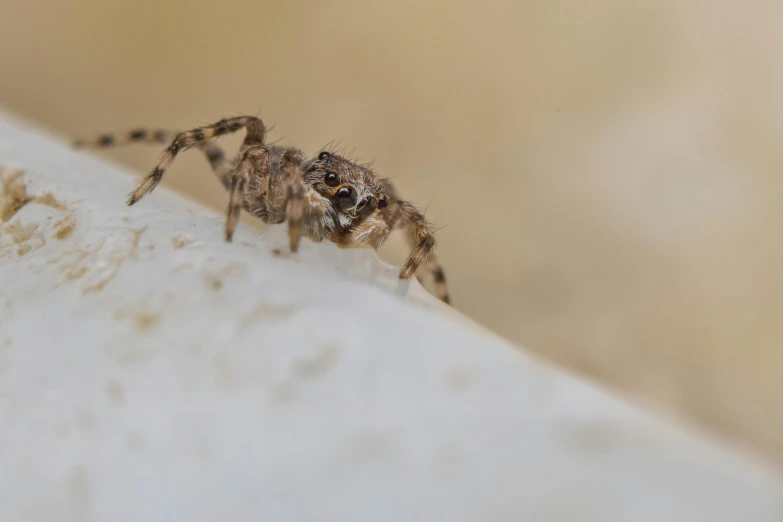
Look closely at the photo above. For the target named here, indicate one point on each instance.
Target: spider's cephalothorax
(328, 197)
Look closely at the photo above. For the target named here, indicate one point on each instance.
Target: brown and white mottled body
(328, 197)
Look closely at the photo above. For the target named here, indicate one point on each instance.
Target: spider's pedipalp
(183, 141)
(370, 233)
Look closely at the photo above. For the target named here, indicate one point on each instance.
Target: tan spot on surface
(8, 342)
(48, 199)
(215, 280)
(73, 268)
(64, 228)
(142, 320)
(135, 242)
(146, 322)
(14, 195)
(181, 241)
(284, 254)
(79, 489)
(64, 232)
(116, 393)
(20, 233)
(97, 287)
(318, 365)
(76, 273)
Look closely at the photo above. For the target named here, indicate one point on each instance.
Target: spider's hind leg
(221, 165)
(151, 136)
(256, 133)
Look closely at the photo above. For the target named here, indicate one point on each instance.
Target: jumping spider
(328, 197)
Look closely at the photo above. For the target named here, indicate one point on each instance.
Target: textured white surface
(150, 371)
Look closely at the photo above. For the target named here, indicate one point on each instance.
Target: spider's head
(352, 188)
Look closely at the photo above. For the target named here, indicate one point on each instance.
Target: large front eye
(322, 156)
(331, 179)
(346, 197)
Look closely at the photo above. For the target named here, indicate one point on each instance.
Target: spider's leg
(221, 165)
(295, 194)
(151, 136)
(236, 193)
(439, 279)
(423, 253)
(256, 133)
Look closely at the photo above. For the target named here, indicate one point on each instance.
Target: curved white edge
(151, 371)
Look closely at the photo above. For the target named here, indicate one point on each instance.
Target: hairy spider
(328, 197)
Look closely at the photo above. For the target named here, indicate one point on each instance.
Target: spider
(329, 197)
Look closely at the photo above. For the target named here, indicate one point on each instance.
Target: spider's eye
(322, 156)
(383, 202)
(331, 179)
(367, 206)
(346, 197)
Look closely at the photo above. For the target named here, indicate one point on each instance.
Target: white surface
(150, 371)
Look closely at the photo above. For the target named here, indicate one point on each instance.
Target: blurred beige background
(607, 173)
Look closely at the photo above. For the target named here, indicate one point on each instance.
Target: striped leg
(295, 195)
(221, 165)
(422, 256)
(439, 279)
(256, 133)
(151, 136)
(236, 193)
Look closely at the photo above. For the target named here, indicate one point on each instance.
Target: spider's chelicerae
(328, 197)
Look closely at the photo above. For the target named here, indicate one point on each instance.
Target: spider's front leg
(423, 253)
(236, 192)
(306, 212)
